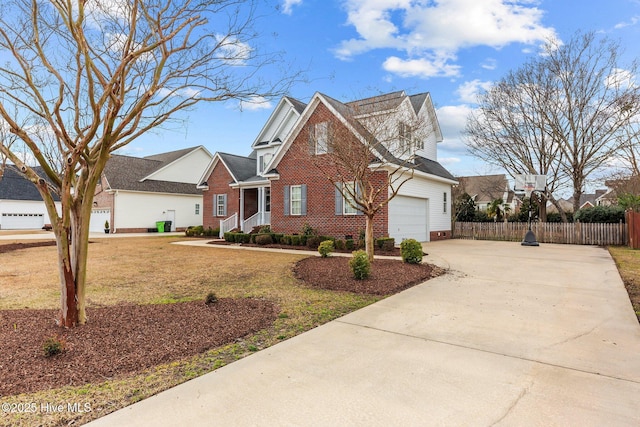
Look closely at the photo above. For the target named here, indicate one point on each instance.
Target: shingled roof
(128, 173)
(15, 186)
(242, 168)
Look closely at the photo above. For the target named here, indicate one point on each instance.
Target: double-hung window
(348, 205)
(296, 200)
(444, 202)
(220, 201)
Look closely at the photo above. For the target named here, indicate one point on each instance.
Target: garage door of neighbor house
(98, 217)
(408, 218)
(22, 221)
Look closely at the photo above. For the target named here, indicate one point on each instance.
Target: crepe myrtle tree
(97, 74)
(368, 159)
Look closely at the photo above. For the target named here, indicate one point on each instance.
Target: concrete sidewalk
(513, 335)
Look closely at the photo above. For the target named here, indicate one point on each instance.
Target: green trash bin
(160, 226)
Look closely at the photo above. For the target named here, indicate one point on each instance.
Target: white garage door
(408, 218)
(98, 217)
(22, 221)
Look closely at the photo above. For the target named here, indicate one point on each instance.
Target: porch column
(241, 222)
(261, 203)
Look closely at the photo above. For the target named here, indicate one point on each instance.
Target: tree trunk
(368, 237)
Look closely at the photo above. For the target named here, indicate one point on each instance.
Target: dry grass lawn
(628, 262)
(151, 270)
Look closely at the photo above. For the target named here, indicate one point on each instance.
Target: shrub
(314, 241)
(295, 240)
(229, 237)
(349, 244)
(264, 229)
(339, 244)
(277, 237)
(386, 243)
(600, 214)
(212, 232)
(53, 345)
(285, 239)
(263, 239)
(360, 265)
(211, 298)
(325, 248)
(411, 251)
(243, 238)
(307, 230)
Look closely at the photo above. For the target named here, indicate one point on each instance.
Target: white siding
(187, 169)
(142, 210)
(432, 190)
(25, 207)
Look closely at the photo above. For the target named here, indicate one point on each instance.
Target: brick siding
(218, 182)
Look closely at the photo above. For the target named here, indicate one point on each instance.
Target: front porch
(255, 210)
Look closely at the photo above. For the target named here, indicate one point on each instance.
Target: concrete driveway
(511, 336)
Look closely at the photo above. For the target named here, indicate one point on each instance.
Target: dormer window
(408, 142)
(263, 161)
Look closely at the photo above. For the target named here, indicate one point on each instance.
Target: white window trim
(197, 208)
(293, 212)
(347, 209)
(219, 204)
(444, 202)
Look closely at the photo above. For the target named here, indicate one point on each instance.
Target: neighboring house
(21, 206)
(602, 197)
(484, 189)
(278, 184)
(135, 193)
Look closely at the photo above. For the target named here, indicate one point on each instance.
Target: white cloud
(424, 68)
(468, 91)
(256, 103)
(232, 50)
(453, 119)
(439, 29)
(489, 64)
(631, 22)
(620, 79)
(287, 6)
(449, 160)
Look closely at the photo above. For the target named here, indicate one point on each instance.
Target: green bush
(263, 239)
(53, 345)
(411, 251)
(600, 214)
(277, 237)
(196, 231)
(313, 242)
(295, 240)
(349, 244)
(264, 229)
(325, 248)
(229, 237)
(339, 244)
(386, 243)
(286, 239)
(307, 230)
(243, 238)
(360, 265)
(212, 232)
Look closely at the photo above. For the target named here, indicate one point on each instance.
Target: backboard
(529, 183)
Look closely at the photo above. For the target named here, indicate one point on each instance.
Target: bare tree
(561, 115)
(99, 74)
(370, 155)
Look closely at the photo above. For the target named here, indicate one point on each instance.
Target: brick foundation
(439, 235)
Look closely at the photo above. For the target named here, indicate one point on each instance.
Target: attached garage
(408, 218)
(22, 221)
(98, 217)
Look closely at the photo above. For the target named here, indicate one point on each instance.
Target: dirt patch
(16, 246)
(387, 277)
(119, 340)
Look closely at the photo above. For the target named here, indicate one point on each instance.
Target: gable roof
(241, 168)
(15, 186)
(347, 113)
(131, 173)
(485, 188)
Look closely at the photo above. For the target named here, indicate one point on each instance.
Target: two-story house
(280, 184)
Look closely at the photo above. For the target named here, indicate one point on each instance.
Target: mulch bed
(119, 340)
(377, 251)
(388, 276)
(15, 246)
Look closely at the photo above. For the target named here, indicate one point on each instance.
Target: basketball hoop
(528, 183)
(529, 188)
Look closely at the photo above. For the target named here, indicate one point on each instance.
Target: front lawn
(123, 274)
(628, 262)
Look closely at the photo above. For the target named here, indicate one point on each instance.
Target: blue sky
(358, 48)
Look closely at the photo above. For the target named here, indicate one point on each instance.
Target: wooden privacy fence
(633, 224)
(546, 232)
